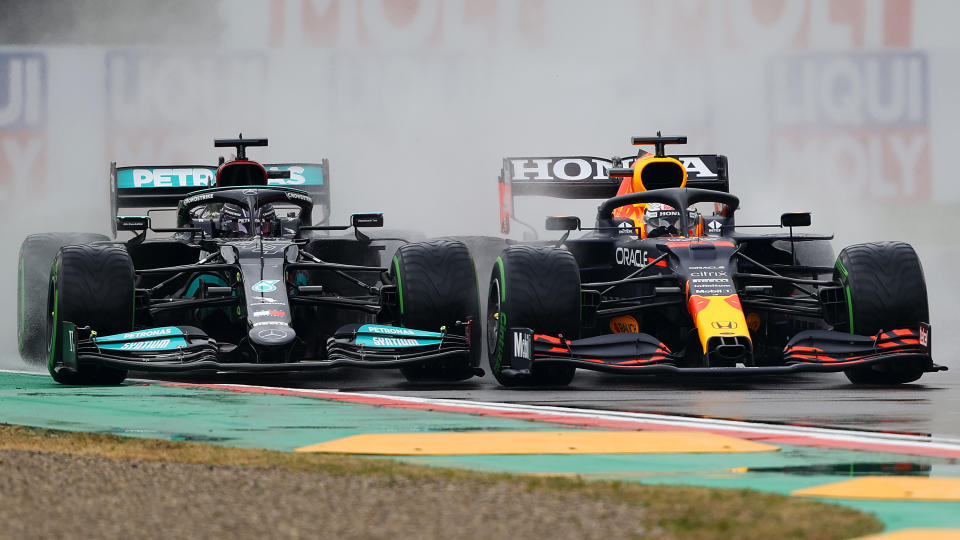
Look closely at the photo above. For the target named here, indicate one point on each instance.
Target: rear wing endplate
(163, 186)
(586, 177)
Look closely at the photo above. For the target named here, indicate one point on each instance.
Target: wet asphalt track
(929, 406)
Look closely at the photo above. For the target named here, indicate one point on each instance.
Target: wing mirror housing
(795, 219)
(367, 220)
(133, 223)
(563, 223)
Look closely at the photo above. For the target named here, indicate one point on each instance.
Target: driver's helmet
(238, 221)
(663, 220)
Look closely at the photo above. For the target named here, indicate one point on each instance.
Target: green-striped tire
(437, 286)
(885, 289)
(90, 285)
(537, 288)
(33, 274)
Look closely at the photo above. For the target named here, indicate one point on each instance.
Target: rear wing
(587, 177)
(163, 186)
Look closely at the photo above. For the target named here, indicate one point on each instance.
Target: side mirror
(366, 220)
(133, 223)
(795, 219)
(563, 223)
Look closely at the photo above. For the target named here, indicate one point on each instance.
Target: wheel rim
(493, 315)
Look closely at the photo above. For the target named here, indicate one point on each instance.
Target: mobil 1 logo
(710, 280)
(522, 343)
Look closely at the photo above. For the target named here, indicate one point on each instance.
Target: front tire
(885, 289)
(90, 285)
(537, 288)
(437, 284)
(33, 273)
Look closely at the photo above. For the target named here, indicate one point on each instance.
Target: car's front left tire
(90, 285)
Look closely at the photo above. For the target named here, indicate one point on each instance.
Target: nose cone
(274, 335)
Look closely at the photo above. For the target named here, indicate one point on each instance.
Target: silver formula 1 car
(246, 283)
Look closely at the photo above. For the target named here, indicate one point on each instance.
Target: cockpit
(246, 211)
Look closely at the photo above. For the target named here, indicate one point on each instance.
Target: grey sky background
(845, 108)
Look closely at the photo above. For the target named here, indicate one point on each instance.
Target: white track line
(755, 428)
(878, 440)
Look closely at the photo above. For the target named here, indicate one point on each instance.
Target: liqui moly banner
(23, 120)
(848, 100)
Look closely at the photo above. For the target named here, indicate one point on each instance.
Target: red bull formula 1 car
(687, 290)
(247, 283)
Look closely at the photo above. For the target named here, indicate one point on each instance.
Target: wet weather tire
(90, 285)
(885, 290)
(33, 275)
(537, 288)
(437, 284)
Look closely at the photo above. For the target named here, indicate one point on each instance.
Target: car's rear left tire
(885, 290)
(537, 288)
(90, 285)
(33, 274)
(437, 284)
